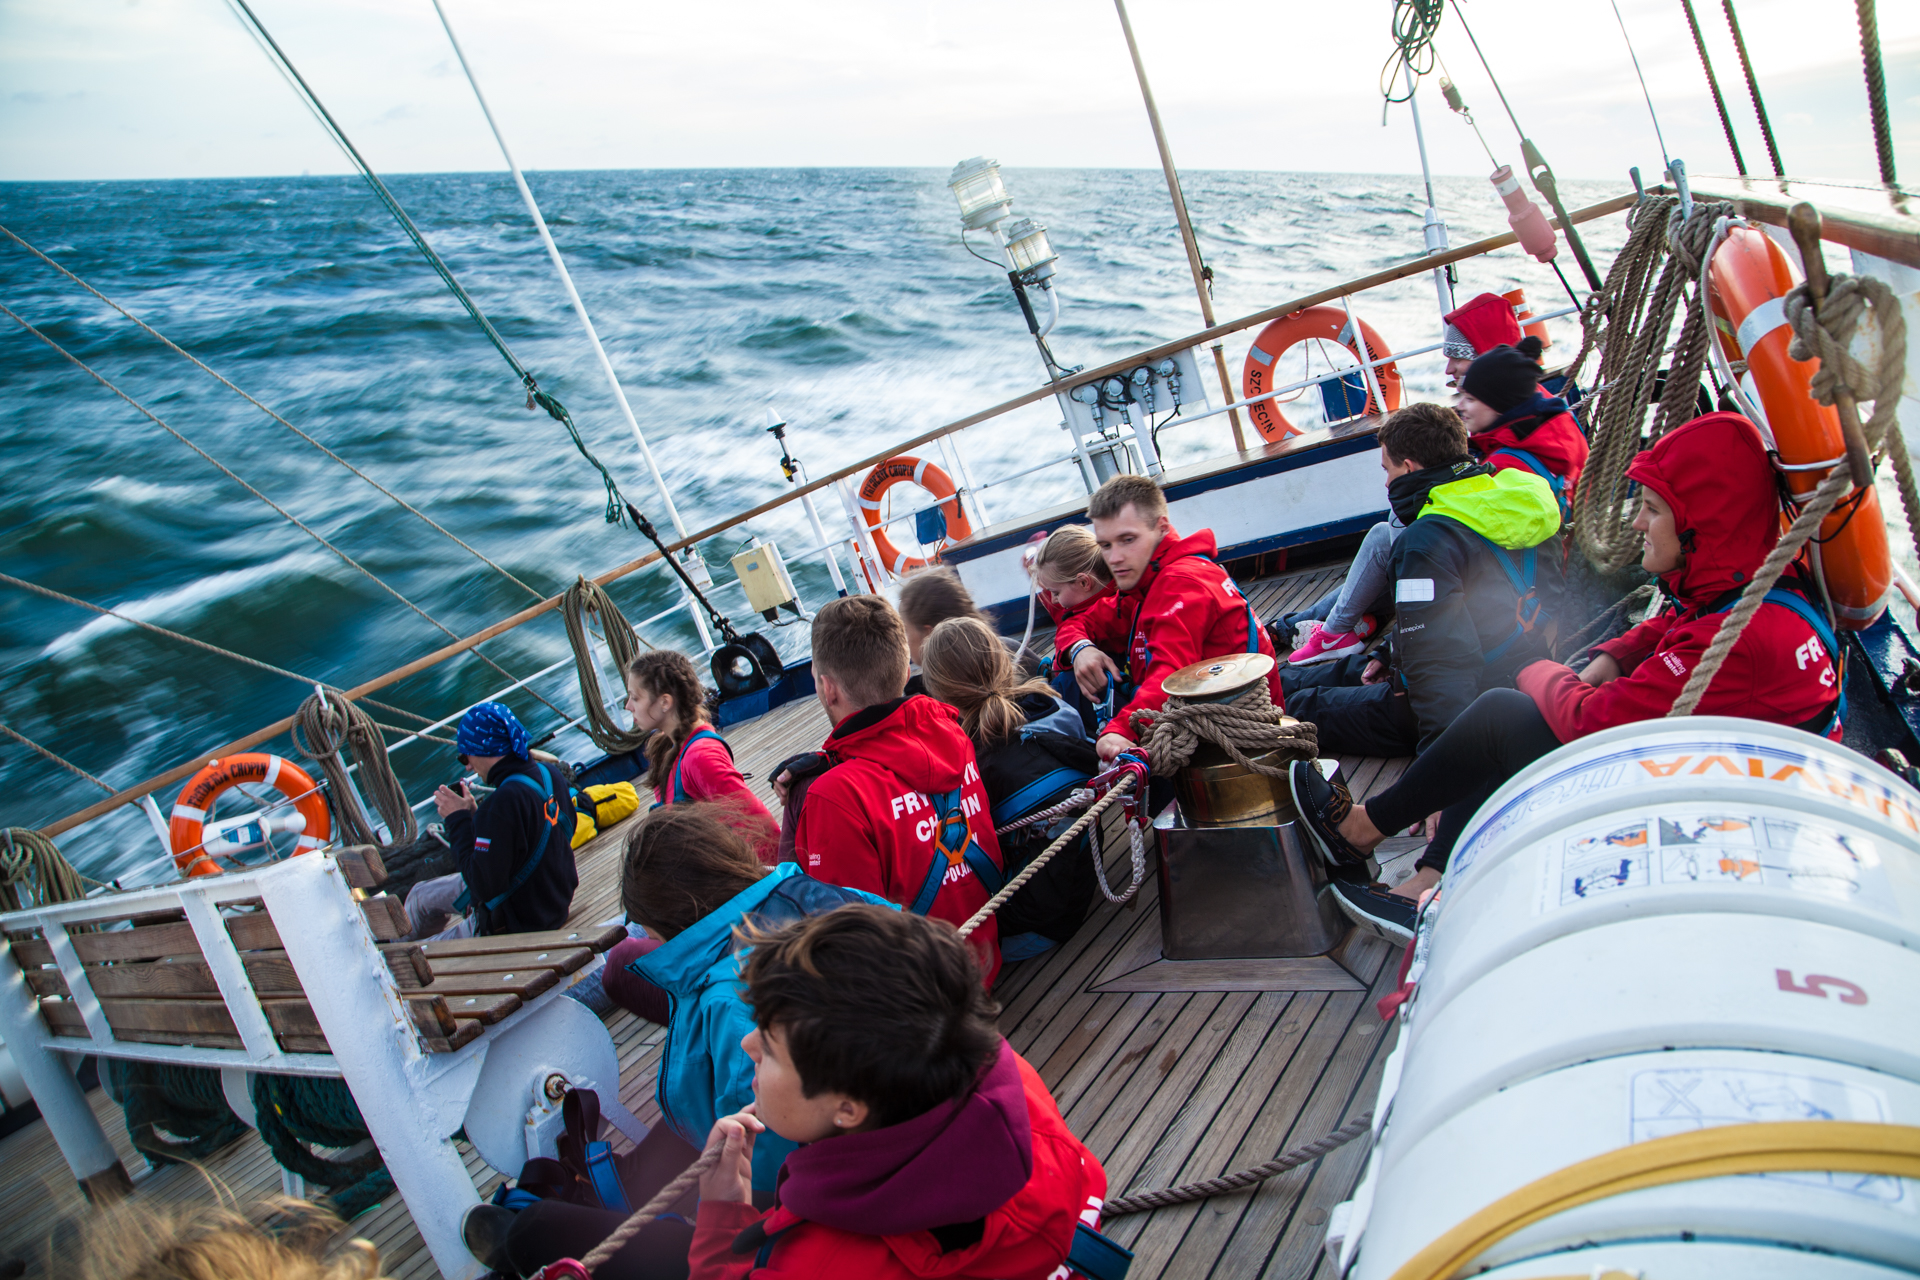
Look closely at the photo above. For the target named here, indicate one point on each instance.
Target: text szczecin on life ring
(187, 830)
(907, 469)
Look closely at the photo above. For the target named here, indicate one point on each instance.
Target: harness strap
(1028, 798)
(605, 1177)
(679, 791)
(1096, 1257)
(951, 812)
(1823, 722)
(543, 788)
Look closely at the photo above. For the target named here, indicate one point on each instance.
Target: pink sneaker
(1324, 646)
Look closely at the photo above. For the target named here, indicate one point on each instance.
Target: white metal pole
(566, 280)
(62, 1102)
(820, 532)
(1435, 229)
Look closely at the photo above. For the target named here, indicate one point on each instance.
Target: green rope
(173, 1114)
(615, 509)
(295, 1114)
(1415, 24)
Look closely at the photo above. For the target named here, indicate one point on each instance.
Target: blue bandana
(491, 729)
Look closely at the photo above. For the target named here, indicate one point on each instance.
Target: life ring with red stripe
(907, 469)
(1331, 324)
(187, 830)
(1749, 278)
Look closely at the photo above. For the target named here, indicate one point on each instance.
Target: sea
(843, 299)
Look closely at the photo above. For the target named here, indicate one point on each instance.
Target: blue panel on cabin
(1345, 396)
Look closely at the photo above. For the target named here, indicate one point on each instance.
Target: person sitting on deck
(1069, 574)
(1032, 756)
(1515, 424)
(692, 880)
(1341, 622)
(1709, 516)
(686, 759)
(893, 802)
(513, 849)
(928, 597)
(928, 1147)
(1472, 594)
(1174, 606)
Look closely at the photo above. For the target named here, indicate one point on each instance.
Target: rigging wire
(1458, 105)
(1648, 95)
(284, 514)
(1713, 83)
(216, 376)
(616, 504)
(1753, 88)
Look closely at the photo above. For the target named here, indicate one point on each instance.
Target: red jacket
(1543, 428)
(1060, 613)
(868, 823)
(705, 771)
(860, 1206)
(1716, 475)
(1185, 609)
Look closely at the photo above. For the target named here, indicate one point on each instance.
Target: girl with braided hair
(686, 759)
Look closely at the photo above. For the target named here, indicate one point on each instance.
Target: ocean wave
(181, 603)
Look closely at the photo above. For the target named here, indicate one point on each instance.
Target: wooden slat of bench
(385, 915)
(483, 1009)
(30, 953)
(431, 1015)
(564, 959)
(523, 982)
(207, 1022)
(594, 937)
(270, 972)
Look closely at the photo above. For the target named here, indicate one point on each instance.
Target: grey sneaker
(1374, 909)
(483, 1229)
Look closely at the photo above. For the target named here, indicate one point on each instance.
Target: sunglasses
(462, 757)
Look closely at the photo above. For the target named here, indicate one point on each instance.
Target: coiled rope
(1826, 331)
(33, 871)
(1415, 24)
(586, 598)
(1636, 322)
(1229, 1183)
(328, 724)
(173, 1114)
(296, 1114)
(1248, 723)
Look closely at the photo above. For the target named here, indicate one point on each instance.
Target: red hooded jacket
(1485, 321)
(1184, 610)
(1543, 428)
(1060, 613)
(867, 822)
(864, 1205)
(1715, 474)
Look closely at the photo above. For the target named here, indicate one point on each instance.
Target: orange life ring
(907, 469)
(1330, 323)
(1750, 276)
(187, 830)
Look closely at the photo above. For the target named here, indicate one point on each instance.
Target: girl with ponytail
(686, 759)
(1033, 752)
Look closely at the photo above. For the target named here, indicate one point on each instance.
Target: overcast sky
(175, 88)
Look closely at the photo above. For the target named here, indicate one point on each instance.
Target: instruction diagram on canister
(1713, 847)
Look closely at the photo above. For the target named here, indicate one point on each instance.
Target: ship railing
(858, 534)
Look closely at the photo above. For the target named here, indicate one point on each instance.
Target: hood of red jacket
(1174, 547)
(1486, 322)
(920, 742)
(1715, 474)
(1542, 427)
(956, 1163)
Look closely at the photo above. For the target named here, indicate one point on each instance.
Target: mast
(1201, 274)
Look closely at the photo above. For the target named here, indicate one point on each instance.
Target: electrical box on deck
(764, 575)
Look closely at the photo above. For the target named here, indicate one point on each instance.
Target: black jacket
(491, 844)
(1461, 627)
(1030, 771)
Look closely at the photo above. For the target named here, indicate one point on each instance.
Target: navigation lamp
(1028, 250)
(983, 198)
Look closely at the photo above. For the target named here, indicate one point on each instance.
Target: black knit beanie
(1502, 379)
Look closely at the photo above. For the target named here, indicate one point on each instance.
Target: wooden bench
(286, 969)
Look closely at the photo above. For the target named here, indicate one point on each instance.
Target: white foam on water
(182, 602)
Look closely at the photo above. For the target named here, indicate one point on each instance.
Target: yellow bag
(597, 808)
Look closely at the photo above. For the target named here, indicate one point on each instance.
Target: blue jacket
(704, 1073)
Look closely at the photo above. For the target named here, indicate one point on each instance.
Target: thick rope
(1045, 856)
(1249, 723)
(1137, 854)
(1876, 88)
(582, 599)
(1826, 335)
(1638, 322)
(1229, 1183)
(296, 1114)
(663, 1200)
(34, 873)
(178, 350)
(1080, 799)
(64, 763)
(284, 514)
(326, 724)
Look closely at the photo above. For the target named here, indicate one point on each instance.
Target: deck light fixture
(1028, 250)
(983, 197)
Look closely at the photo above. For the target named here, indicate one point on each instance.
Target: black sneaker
(1373, 908)
(484, 1231)
(1323, 805)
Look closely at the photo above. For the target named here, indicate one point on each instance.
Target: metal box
(1233, 893)
(764, 575)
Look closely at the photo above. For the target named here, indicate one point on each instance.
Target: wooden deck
(1164, 1087)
